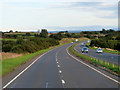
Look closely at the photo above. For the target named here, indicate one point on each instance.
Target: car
(84, 49)
(99, 50)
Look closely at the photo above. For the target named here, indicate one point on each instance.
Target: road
(57, 69)
(113, 58)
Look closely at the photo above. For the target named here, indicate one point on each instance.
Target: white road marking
(58, 65)
(93, 68)
(24, 70)
(60, 71)
(63, 82)
(57, 62)
(46, 86)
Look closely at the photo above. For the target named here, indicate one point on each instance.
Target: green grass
(9, 65)
(108, 51)
(96, 61)
(8, 39)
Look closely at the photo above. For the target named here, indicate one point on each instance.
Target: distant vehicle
(76, 40)
(85, 49)
(99, 50)
(88, 41)
(82, 43)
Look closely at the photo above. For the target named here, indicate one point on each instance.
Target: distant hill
(79, 29)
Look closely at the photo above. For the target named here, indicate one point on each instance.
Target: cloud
(60, 0)
(33, 14)
(98, 9)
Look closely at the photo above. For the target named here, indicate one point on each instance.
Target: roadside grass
(105, 50)
(9, 65)
(105, 64)
(8, 39)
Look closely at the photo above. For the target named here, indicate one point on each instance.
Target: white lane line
(57, 62)
(46, 86)
(58, 65)
(93, 68)
(13, 85)
(60, 71)
(63, 83)
(24, 70)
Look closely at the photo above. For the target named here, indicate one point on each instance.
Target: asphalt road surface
(57, 69)
(113, 58)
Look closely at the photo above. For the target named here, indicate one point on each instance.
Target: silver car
(99, 50)
(84, 49)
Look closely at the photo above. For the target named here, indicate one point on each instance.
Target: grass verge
(9, 65)
(112, 68)
(108, 51)
(104, 50)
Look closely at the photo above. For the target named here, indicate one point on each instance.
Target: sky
(38, 14)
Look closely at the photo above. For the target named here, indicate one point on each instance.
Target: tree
(44, 33)
(11, 31)
(28, 34)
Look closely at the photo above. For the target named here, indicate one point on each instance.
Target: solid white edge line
(92, 68)
(24, 70)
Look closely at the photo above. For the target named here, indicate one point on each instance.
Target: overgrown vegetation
(9, 65)
(113, 68)
(105, 39)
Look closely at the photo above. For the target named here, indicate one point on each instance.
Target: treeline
(103, 43)
(28, 46)
(44, 34)
(111, 39)
(65, 34)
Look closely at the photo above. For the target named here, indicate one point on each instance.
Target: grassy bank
(9, 65)
(108, 51)
(104, 50)
(112, 68)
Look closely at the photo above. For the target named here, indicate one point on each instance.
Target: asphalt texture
(112, 58)
(57, 69)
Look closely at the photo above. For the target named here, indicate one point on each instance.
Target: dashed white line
(24, 70)
(57, 62)
(60, 71)
(58, 65)
(92, 67)
(63, 82)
